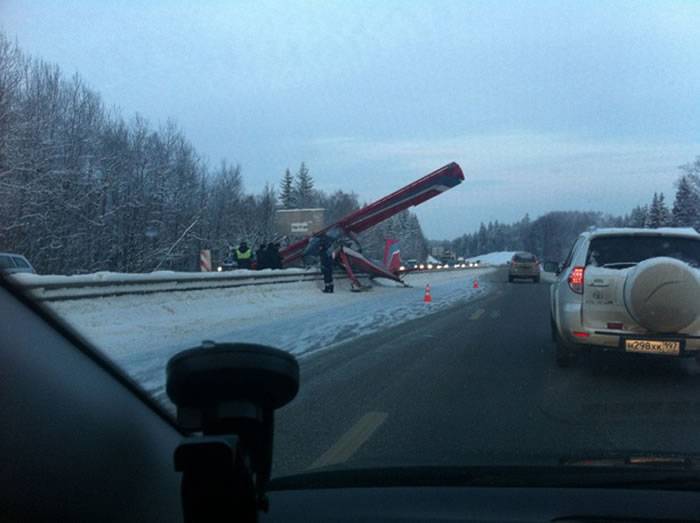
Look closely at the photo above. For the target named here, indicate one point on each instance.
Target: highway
(477, 384)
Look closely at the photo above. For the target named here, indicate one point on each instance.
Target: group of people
(267, 256)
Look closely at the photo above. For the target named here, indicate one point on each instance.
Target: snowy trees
(549, 236)
(638, 217)
(404, 227)
(297, 192)
(337, 204)
(658, 214)
(83, 190)
(304, 188)
(686, 207)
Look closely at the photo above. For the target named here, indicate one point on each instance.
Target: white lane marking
(352, 440)
(477, 314)
(495, 315)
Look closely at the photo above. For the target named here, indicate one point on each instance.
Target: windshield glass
(19, 262)
(6, 262)
(626, 249)
(352, 182)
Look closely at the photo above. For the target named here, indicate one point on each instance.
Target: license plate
(653, 346)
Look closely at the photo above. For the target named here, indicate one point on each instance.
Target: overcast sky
(545, 105)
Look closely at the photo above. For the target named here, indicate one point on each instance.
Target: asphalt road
(477, 384)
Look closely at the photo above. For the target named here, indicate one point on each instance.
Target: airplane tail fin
(392, 255)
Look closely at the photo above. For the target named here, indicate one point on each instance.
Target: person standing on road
(261, 255)
(273, 255)
(243, 255)
(326, 264)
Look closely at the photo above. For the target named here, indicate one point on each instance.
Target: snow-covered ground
(140, 332)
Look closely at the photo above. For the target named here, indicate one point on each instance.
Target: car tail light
(576, 279)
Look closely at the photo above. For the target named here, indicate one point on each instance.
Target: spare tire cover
(663, 294)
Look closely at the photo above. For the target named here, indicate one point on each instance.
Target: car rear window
(6, 262)
(20, 262)
(626, 250)
(524, 258)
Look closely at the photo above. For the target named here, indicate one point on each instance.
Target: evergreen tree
(287, 196)
(652, 220)
(686, 207)
(692, 171)
(304, 187)
(638, 216)
(482, 240)
(658, 212)
(664, 213)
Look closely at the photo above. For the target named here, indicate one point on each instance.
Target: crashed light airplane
(343, 233)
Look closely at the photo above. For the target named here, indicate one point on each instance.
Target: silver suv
(631, 291)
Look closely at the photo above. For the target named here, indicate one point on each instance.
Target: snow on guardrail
(105, 284)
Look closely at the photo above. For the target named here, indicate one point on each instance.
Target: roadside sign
(298, 223)
(205, 260)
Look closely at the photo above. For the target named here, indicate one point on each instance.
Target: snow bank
(92, 286)
(140, 332)
(494, 258)
(157, 276)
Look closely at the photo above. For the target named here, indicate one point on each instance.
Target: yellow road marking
(352, 440)
(477, 314)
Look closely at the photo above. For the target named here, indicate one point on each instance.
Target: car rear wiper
(640, 470)
(663, 461)
(576, 476)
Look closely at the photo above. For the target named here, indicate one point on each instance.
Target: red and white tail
(392, 256)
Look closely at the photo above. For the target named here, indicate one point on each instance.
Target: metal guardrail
(84, 287)
(136, 284)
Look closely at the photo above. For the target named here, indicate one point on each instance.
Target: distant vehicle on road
(411, 264)
(633, 291)
(12, 263)
(524, 265)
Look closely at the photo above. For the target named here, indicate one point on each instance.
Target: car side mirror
(228, 393)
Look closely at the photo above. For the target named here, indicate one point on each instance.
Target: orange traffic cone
(475, 285)
(427, 298)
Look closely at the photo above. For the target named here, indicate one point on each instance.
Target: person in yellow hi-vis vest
(244, 256)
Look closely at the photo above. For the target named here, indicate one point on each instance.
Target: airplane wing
(415, 193)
